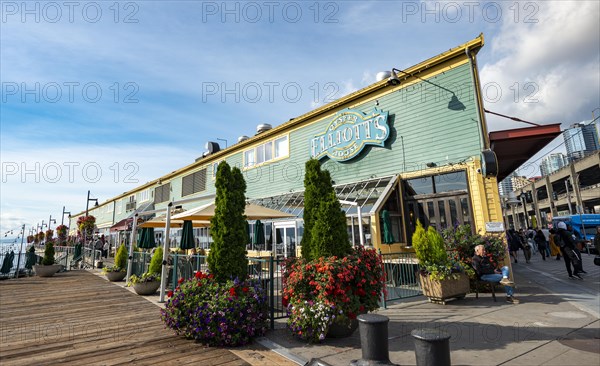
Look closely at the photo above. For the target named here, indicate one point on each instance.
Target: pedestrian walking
(564, 240)
(554, 248)
(513, 244)
(540, 240)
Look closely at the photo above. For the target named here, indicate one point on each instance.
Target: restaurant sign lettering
(349, 132)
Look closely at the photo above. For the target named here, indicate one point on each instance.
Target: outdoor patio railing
(401, 278)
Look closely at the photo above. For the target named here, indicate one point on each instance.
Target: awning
(252, 212)
(515, 147)
(125, 224)
(122, 225)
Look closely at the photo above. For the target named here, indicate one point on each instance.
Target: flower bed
(217, 314)
(325, 290)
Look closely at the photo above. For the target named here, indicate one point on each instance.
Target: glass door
(285, 239)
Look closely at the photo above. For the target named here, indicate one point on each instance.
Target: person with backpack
(564, 240)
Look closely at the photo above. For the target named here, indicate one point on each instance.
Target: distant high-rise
(580, 140)
(506, 185)
(553, 162)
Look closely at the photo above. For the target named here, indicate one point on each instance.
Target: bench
(479, 281)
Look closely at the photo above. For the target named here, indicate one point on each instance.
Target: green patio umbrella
(7, 264)
(388, 237)
(187, 236)
(259, 234)
(30, 258)
(77, 251)
(147, 238)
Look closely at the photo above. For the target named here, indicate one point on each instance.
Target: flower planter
(146, 288)
(343, 328)
(46, 271)
(440, 291)
(115, 276)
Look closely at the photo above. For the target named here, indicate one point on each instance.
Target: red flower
(180, 281)
(285, 301)
(245, 289)
(198, 275)
(170, 293)
(232, 291)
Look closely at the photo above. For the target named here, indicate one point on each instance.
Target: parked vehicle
(578, 223)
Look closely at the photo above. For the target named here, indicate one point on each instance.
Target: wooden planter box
(440, 291)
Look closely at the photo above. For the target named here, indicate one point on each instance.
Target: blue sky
(107, 95)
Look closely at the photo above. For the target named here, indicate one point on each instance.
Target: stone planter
(46, 271)
(115, 276)
(342, 329)
(440, 291)
(146, 288)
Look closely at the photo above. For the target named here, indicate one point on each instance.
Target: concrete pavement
(556, 323)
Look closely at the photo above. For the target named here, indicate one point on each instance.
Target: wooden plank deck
(77, 318)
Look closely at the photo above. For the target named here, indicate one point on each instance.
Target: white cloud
(547, 72)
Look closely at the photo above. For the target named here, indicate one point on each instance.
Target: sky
(107, 95)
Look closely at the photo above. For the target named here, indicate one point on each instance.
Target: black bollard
(432, 347)
(373, 330)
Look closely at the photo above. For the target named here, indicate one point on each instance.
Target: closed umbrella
(30, 258)
(77, 251)
(187, 236)
(259, 234)
(8, 262)
(388, 237)
(147, 238)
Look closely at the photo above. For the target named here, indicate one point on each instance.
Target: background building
(581, 140)
(553, 162)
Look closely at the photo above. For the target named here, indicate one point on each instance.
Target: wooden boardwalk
(78, 318)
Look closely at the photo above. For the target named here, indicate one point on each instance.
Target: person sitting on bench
(486, 272)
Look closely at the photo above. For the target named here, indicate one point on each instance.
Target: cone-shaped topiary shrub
(48, 254)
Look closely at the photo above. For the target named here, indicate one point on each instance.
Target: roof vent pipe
(262, 128)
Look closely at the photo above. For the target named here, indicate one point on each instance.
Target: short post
(373, 330)
(432, 347)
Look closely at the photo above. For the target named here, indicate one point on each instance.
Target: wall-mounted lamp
(393, 79)
(431, 165)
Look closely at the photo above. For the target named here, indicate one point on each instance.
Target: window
(281, 147)
(249, 158)
(266, 152)
(215, 167)
(143, 195)
(194, 183)
(119, 207)
(162, 193)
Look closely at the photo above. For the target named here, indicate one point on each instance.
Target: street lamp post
(62, 218)
(50, 221)
(20, 251)
(85, 233)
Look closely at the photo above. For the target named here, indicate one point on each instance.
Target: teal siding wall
(423, 129)
(427, 125)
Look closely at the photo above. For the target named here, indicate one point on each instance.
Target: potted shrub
(118, 271)
(47, 268)
(223, 308)
(441, 278)
(149, 282)
(332, 283)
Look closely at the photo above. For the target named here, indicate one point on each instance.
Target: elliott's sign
(349, 132)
